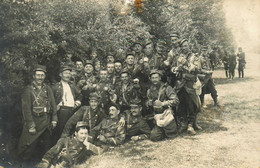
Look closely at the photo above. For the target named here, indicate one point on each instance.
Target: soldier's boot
(191, 130)
(216, 104)
(195, 124)
(182, 126)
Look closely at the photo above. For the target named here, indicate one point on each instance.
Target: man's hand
(42, 165)
(122, 122)
(54, 124)
(135, 138)
(32, 130)
(102, 138)
(77, 103)
(86, 143)
(158, 103)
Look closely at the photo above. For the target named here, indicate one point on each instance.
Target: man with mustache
(40, 117)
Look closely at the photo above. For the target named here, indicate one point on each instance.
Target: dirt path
(230, 136)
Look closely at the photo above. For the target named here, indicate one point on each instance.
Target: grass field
(230, 136)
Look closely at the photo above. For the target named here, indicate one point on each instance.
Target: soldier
(127, 89)
(109, 131)
(106, 90)
(149, 49)
(160, 97)
(208, 86)
(130, 63)
(110, 58)
(118, 70)
(92, 115)
(188, 66)
(156, 62)
(70, 151)
(226, 63)
(67, 97)
(136, 126)
(97, 68)
(138, 48)
(232, 64)
(110, 71)
(241, 62)
(86, 83)
(40, 117)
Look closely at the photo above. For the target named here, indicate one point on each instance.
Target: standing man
(232, 64)
(161, 96)
(67, 97)
(241, 62)
(40, 117)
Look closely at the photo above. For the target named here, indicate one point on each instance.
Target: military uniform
(208, 86)
(165, 94)
(232, 65)
(86, 114)
(241, 64)
(136, 125)
(226, 64)
(39, 110)
(110, 129)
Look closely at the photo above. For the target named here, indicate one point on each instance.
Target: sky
(243, 17)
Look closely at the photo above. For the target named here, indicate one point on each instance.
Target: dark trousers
(241, 70)
(37, 149)
(159, 133)
(64, 113)
(232, 73)
(209, 88)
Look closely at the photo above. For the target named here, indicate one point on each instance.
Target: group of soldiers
(149, 95)
(230, 61)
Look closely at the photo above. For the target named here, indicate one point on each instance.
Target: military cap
(162, 42)
(135, 102)
(81, 124)
(174, 34)
(183, 40)
(130, 53)
(65, 67)
(125, 70)
(89, 62)
(119, 61)
(137, 42)
(148, 42)
(94, 96)
(155, 71)
(39, 68)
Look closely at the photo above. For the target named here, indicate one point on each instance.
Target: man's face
(97, 66)
(240, 50)
(148, 49)
(79, 65)
(138, 48)
(65, 75)
(103, 75)
(110, 58)
(39, 77)
(174, 41)
(130, 59)
(82, 134)
(155, 79)
(113, 112)
(124, 77)
(185, 47)
(118, 66)
(110, 68)
(93, 104)
(93, 54)
(88, 68)
(136, 110)
(159, 48)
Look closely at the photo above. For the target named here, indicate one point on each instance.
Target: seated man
(70, 151)
(110, 131)
(136, 126)
(92, 115)
(160, 97)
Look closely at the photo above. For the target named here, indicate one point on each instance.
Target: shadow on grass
(221, 81)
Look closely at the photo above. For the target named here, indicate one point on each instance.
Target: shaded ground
(230, 136)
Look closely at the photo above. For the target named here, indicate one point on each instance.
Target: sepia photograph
(129, 83)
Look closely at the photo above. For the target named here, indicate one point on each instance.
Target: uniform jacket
(39, 109)
(136, 125)
(111, 130)
(85, 113)
(67, 151)
(58, 92)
